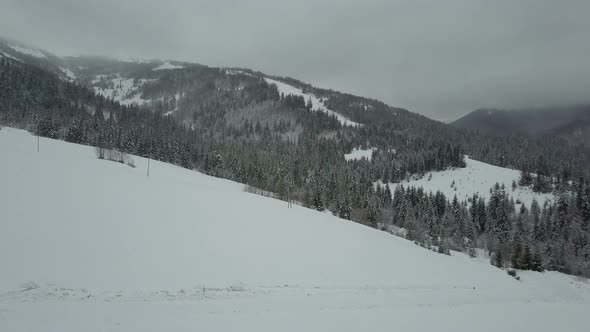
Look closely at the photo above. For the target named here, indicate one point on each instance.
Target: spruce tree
(498, 259)
(526, 262)
(516, 255)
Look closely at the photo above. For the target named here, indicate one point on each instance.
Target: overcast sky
(439, 58)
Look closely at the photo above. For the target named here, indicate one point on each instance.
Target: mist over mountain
(570, 122)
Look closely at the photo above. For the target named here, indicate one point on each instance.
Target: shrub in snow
(512, 273)
(444, 250)
(114, 155)
(253, 190)
(497, 259)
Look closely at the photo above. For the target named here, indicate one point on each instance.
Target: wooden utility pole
(37, 135)
(290, 187)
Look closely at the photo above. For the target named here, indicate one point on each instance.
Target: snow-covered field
(317, 104)
(358, 154)
(477, 177)
(93, 245)
(167, 65)
(68, 74)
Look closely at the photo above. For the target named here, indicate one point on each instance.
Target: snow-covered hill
(477, 177)
(94, 245)
(168, 65)
(28, 51)
(317, 103)
(124, 90)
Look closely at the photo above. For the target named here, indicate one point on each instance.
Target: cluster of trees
(555, 236)
(311, 169)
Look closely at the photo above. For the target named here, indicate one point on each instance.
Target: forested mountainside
(571, 123)
(283, 136)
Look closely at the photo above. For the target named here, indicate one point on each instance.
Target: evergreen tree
(526, 262)
(516, 255)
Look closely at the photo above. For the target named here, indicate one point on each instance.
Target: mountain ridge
(570, 122)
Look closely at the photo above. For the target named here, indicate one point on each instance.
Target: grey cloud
(439, 58)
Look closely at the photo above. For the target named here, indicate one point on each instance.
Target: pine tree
(516, 255)
(537, 262)
(525, 179)
(498, 259)
(526, 262)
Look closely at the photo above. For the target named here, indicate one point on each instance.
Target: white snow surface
(317, 104)
(126, 91)
(168, 65)
(28, 51)
(358, 154)
(69, 74)
(476, 177)
(110, 249)
(177, 98)
(10, 56)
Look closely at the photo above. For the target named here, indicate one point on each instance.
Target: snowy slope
(68, 73)
(316, 102)
(9, 56)
(112, 249)
(477, 177)
(124, 90)
(167, 65)
(28, 51)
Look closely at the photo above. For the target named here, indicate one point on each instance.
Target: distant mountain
(571, 123)
(182, 89)
(234, 101)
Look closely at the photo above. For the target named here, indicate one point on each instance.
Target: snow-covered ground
(167, 65)
(68, 73)
(316, 102)
(170, 112)
(126, 91)
(28, 51)
(358, 154)
(110, 249)
(477, 177)
(10, 56)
